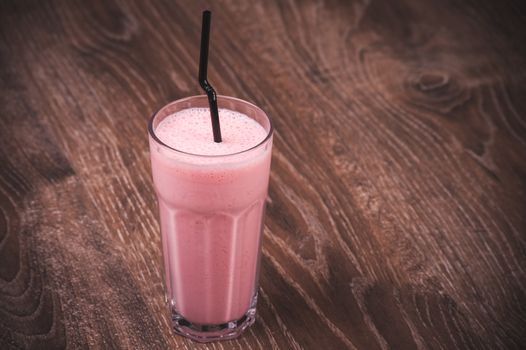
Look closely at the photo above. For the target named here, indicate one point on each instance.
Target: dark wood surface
(396, 214)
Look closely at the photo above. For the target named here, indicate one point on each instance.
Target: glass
(211, 213)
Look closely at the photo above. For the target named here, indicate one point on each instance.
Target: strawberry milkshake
(211, 201)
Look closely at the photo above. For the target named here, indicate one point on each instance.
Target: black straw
(203, 65)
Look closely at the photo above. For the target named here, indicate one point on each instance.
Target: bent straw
(203, 66)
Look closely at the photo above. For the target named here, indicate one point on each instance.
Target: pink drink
(211, 201)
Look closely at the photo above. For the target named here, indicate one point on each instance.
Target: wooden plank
(396, 209)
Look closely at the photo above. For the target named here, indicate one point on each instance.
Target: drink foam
(190, 130)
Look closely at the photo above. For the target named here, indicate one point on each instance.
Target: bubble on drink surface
(190, 130)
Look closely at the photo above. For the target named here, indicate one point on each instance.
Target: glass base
(204, 333)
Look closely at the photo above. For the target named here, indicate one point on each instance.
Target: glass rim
(151, 131)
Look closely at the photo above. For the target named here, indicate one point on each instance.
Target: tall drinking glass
(211, 213)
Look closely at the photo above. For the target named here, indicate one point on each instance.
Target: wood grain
(396, 214)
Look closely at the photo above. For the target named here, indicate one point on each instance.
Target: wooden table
(396, 214)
